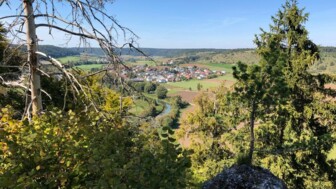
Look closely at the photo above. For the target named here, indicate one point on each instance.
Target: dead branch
(19, 84)
(67, 31)
(74, 82)
(86, 20)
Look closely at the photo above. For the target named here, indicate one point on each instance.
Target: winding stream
(166, 110)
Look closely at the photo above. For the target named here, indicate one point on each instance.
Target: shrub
(86, 150)
(161, 92)
(149, 87)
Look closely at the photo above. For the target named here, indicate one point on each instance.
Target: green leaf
(332, 154)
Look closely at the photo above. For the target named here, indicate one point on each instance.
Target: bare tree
(87, 19)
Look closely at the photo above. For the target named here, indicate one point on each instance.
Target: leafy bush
(139, 86)
(150, 111)
(161, 92)
(149, 87)
(85, 150)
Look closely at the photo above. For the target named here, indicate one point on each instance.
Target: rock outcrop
(245, 176)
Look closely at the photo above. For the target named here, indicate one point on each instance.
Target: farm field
(182, 88)
(206, 83)
(67, 59)
(88, 67)
(192, 84)
(220, 67)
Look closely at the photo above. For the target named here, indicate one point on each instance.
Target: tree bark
(252, 120)
(35, 82)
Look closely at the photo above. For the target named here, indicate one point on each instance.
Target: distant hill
(56, 51)
(327, 63)
(169, 53)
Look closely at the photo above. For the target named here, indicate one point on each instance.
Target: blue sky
(212, 23)
(216, 23)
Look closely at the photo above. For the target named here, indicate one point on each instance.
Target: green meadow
(67, 59)
(219, 66)
(192, 84)
(88, 67)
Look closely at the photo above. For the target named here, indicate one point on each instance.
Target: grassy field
(142, 105)
(66, 59)
(88, 67)
(232, 57)
(193, 84)
(139, 107)
(206, 84)
(219, 67)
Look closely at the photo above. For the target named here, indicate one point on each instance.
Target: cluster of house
(169, 74)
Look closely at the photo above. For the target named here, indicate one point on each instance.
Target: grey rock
(245, 176)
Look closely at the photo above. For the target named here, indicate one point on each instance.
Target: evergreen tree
(298, 115)
(290, 113)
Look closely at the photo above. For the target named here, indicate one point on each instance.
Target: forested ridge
(56, 51)
(89, 129)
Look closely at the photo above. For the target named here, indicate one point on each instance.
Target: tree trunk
(252, 120)
(35, 83)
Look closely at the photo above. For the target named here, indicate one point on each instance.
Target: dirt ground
(187, 95)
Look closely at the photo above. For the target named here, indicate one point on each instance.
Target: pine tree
(302, 118)
(294, 111)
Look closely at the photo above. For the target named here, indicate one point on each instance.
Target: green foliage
(177, 101)
(3, 41)
(149, 111)
(86, 150)
(79, 147)
(9, 70)
(293, 112)
(161, 92)
(167, 134)
(139, 86)
(63, 97)
(301, 122)
(15, 99)
(332, 154)
(9, 65)
(243, 158)
(149, 87)
(199, 86)
(205, 129)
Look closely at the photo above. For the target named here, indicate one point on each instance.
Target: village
(164, 74)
